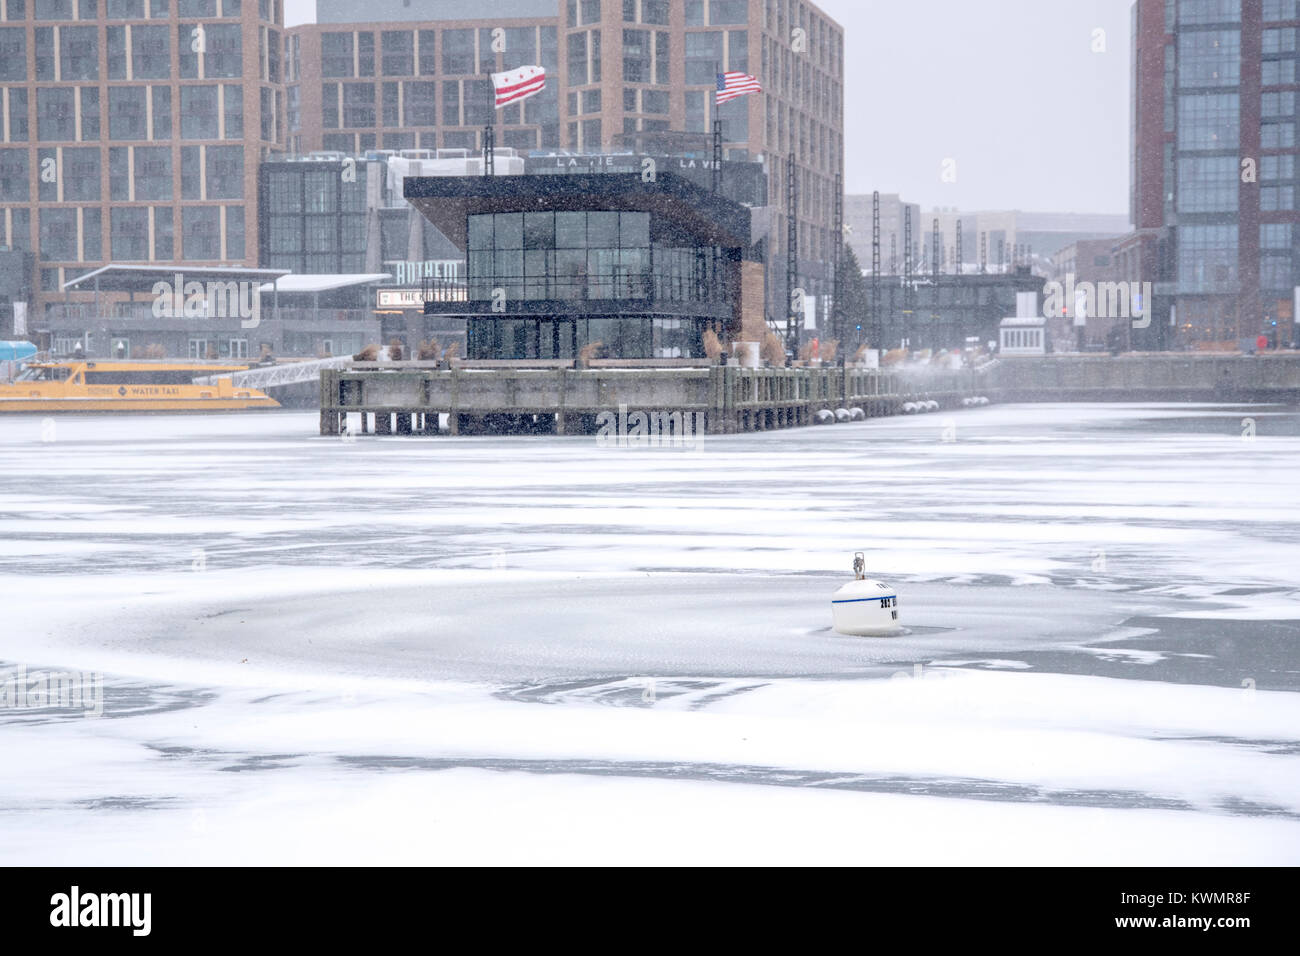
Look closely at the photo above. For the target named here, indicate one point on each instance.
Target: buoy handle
(859, 566)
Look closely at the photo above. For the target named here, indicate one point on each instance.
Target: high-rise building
(413, 74)
(1214, 168)
(131, 131)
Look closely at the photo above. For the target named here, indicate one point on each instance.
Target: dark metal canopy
(447, 201)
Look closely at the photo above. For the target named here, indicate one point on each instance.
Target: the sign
(405, 272)
(400, 299)
(415, 299)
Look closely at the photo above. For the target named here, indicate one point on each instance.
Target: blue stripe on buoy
(883, 597)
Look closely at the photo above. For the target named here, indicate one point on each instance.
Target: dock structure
(410, 398)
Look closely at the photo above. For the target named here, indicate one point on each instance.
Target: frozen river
(547, 650)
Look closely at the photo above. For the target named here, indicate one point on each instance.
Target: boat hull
(125, 405)
(82, 385)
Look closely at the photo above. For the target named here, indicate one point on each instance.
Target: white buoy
(857, 414)
(842, 415)
(865, 607)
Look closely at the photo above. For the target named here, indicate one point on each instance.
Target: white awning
(325, 283)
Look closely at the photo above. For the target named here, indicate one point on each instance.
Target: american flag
(731, 85)
(515, 85)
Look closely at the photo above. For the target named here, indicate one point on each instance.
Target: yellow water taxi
(90, 385)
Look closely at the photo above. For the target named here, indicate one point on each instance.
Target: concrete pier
(1148, 377)
(407, 398)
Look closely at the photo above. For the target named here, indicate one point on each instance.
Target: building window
(200, 232)
(336, 54)
(703, 58)
(566, 255)
(1277, 72)
(398, 50)
(163, 232)
(1277, 135)
(738, 51)
(58, 234)
(728, 11)
(55, 112)
(358, 104)
(419, 103)
(329, 100)
(127, 112)
(636, 56)
(1279, 41)
(451, 103)
(1207, 184)
(1208, 121)
(1207, 259)
(234, 232)
(198, 112)
(1277, 104)
(232, 96)
(15, 181)
(150, 55)
(1275, 235)
(365, 54)
(225, 172)
(44, 53)
(428, 58)
(153, 172)
(89, 112)
(577, 43)
(1209, 58)
(1208, 11)
(80, 175)
(224, 56)
(480, 102)
(1277, 198)
(1275, 10)
(78, 53)
(697, 111)
(129, 233)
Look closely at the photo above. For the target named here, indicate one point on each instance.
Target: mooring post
(561, 387)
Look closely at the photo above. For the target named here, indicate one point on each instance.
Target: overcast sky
(1011, 91)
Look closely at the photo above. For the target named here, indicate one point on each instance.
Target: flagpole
(490, 133)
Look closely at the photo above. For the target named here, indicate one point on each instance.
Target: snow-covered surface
(548, 650)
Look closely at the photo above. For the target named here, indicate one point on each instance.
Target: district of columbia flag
(731, 85)
(515, 85)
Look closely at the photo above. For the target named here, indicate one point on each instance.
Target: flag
(731, 85)
(515, 85)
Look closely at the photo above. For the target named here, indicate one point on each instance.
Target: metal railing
(575, 288)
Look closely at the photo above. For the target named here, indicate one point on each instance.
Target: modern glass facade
(315, 217)
(592, 260)
(1214, 176)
